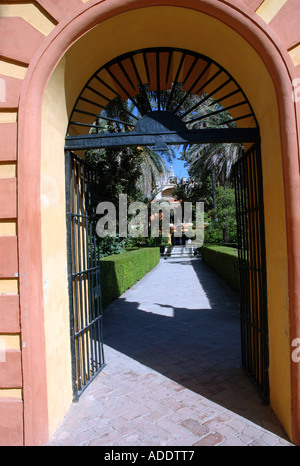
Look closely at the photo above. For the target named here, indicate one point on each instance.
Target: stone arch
(53, 63)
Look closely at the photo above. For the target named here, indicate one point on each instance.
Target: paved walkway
(173, 376)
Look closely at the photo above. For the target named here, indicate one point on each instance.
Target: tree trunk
(213, 178)
(225, 235)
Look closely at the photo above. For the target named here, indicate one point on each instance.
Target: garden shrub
(120, 272)
(224, 261)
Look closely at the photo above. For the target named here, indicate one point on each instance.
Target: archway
(214, 39)
(160, 96)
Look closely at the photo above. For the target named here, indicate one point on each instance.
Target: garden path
(172, 374)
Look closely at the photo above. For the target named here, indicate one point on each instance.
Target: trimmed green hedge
(120, 272)
(224, 261)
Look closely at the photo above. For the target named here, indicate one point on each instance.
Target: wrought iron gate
(149, 80)
(252, 265)
(84, 272)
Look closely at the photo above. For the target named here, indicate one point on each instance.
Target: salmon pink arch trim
(280, 67)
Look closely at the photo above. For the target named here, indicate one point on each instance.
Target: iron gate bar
(146, 66)
(127, 75)
(108, 140)
(92, 102)
(158, 81)
(169, 65)
(252, 264)
(69, 260)
(90, 88)
(263, 276)
(231, 94)
(190, 70)
(255, 264)
(136, 71)
(84, 274)
(123, 88)
(201, 88)
(106, 85)
(206, 97)
(102, 116)
(175, 81)
(84, 112)
(225, 109)
(235, 119)
(189, 92)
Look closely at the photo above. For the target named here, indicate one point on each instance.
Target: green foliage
(195, 190)
(118, 172)
(130, 170)
(221, 221)
(220, 157)
(111, 245)
(211, 166)
(217, 157)
(133, 171)
(212, 234)
(224, 261)
(120, 272)
(150, 242)
(117, 245)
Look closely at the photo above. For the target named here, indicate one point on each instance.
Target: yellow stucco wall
(55, 283)
(30, 13)
(268, 9)
(118, 35)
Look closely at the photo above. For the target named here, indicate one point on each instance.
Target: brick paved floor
(172, 375)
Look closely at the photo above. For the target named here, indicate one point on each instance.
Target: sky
(179, 169)
(178, 166)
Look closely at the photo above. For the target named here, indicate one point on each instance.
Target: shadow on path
(182, 321)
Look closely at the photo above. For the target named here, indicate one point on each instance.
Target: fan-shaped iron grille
(192, 87)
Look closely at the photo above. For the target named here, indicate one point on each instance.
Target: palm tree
(118, 117)
(153, 168)
(213, 158)
(216, 158)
